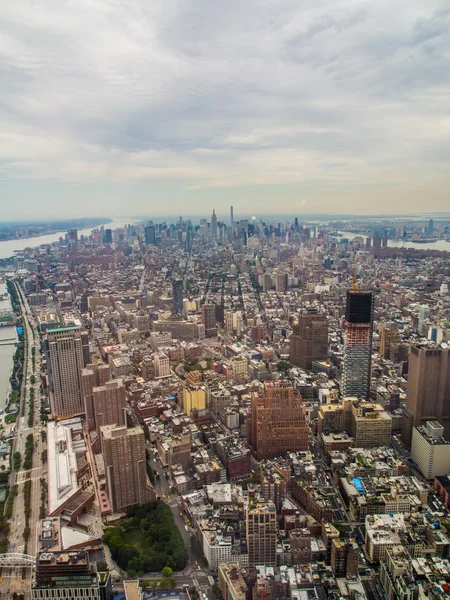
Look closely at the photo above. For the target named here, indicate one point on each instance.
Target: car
(186, 528)
(181, 514)
(196, 563)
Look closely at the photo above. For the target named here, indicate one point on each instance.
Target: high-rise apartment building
(110, 405)
(309, 340)
(358, 344)
(277, 422)
(125, 467)
(65, 359)
(262, 534)
(177, 296)
(94, 375)
(209, 320)
(428, 395)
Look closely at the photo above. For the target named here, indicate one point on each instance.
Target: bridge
(15, 559)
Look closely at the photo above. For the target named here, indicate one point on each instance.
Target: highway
(12, 578)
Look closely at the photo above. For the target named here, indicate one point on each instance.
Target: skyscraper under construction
(358, 344)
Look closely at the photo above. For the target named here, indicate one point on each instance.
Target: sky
(123, 108)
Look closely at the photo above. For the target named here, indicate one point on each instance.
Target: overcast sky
(147, 107)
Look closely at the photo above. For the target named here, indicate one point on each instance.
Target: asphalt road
(13, 581)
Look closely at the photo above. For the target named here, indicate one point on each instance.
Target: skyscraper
(108, 236)
(150, 235)
(231, 217)
(214, 224)
(262, 534)
(428, 396)
(309, 340)
(358, 344)
(125, 467)
(65, 359)
(177, 296)
(277, 422)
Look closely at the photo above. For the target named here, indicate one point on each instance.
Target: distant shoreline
(61, 228)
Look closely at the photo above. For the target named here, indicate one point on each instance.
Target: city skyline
(340, 108)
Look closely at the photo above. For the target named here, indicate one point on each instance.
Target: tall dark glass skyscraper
(150, 235)
(358, 344)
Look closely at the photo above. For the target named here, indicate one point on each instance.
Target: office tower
(424, 315)
(430, 226)
(430, 450)
(162, 365)
(177, 296)
(214, 224)
(277, 422)
(231, 217)
(107, 238)
(65, 359)
(150, 235)
(309, 339)
(209, 320)
(110, 405)
(262, 534)
(125, 467)
(93, 375)
(231, 583)
(358, 344)
(428, 395)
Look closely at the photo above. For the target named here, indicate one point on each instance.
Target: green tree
(164, 584)
(155, 584)
(172, 582)
(167, 572)
(144, 584)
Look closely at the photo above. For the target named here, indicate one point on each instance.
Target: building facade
(358, 326)
(66, 361)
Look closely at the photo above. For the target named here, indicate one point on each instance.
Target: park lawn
(136, 537)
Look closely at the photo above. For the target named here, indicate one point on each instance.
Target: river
(7, 248)
(439, 245)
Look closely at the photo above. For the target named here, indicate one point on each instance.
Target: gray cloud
(214, 94)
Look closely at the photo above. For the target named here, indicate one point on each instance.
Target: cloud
(224, 94)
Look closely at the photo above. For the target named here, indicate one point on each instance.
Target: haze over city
(148, 108)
